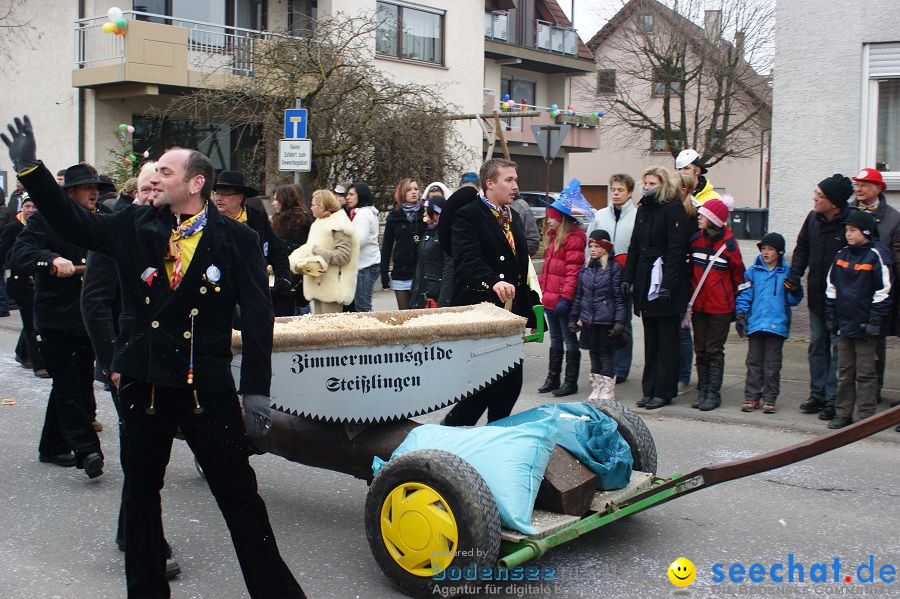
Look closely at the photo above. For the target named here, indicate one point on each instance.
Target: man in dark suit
(57, 266)
(490, 254)
(182, 268)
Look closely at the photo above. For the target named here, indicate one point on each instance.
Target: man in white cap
(689, 161)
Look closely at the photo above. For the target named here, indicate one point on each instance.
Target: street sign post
(295, 155)
(295, 120)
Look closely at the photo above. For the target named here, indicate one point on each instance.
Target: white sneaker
(683, 388)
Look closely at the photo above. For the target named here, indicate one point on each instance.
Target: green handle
(538, 335)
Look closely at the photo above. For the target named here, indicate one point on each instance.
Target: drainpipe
(81, 100)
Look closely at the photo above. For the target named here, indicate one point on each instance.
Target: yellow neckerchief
(21, 218)
(504, 219)
(869, 208)
(183, 248)
(242, 216)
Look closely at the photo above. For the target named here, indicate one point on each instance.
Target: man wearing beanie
(820, 238)
(858, 297)
(868, 194)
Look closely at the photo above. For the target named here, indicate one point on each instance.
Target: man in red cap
(868, 193)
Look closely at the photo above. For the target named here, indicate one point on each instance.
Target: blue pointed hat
(572, 202)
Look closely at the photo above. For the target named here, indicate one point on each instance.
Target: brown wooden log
(568, 486)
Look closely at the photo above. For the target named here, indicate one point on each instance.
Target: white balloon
(114, 13)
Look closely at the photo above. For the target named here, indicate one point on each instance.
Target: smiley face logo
(682, 572)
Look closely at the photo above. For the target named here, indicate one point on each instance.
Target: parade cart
(344, 390)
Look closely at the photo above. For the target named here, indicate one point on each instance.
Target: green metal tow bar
(538, 335)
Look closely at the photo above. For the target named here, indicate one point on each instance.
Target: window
(302, 16)
(646, 24)
(658, 143)
(520, 90)
(880, 142)
(667, 80)
(409, 33)
(606, 81)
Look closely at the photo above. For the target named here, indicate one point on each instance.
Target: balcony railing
(211, 47)
(547, 37)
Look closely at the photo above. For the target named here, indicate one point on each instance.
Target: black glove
(625, 289)
(617, 329)
(792, 284)
(740, 325)
(385, 281)
(257, 415)
(22, 149)
(664, 297)
(562, 306)
(831, 324)
(873, 330)
(281, 285)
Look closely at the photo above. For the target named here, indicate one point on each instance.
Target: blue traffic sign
(295, 123)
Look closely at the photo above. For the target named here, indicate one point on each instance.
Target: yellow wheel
(429, 512)
(418, 529)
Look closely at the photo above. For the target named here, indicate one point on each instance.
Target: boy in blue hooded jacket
(763, 313)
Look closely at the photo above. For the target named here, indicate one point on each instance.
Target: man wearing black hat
(820, 238)
(230, 194)
(183, 268)
(57, 267)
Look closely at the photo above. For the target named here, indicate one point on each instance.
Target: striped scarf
(504, 219)
(192, 226)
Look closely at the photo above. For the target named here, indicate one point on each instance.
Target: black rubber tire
(635, 432)
(467, 496)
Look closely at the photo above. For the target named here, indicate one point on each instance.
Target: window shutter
(884, 60)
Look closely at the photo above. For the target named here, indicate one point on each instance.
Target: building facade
(836, 100)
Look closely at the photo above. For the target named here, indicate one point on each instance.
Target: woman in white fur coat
(329, 258)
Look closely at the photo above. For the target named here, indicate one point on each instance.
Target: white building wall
(817, 103)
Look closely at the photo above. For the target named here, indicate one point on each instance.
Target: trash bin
(756, 223)
(739, 223)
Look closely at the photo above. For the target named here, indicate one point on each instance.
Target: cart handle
(538, 335)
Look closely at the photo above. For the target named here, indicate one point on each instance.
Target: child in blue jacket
(763, 313)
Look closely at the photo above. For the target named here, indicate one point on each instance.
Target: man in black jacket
(57, 266)
(820, 238)
(487, 241)
(182, 270)
(230, 195)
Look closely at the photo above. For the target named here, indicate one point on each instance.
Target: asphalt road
(58, 526)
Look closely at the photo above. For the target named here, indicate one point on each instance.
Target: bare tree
(683, 85)
(14, 31)
(364, 126)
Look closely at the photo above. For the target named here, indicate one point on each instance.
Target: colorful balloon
(554, 113)
(132, 157)
(114, 13)
(504, 105)
(108, 27)
(505, 97)
(570, 112)
(123, 127)
(146, 153)
(600, 114)
(554, 107)
(121, 23)
(130, 129)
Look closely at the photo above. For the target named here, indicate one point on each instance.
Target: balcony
(584, 132)
(543, 47)
(168, 53)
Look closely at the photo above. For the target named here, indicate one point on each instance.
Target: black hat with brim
(80, 174)
(235, 180)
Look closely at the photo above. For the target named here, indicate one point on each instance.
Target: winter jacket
(659, 232)
(817, 243)
(619, 229)
(559, 276)
(273, 248)
(764, 299)
(365, 223)
(434, 273)
(532, 231)
(333, 239)
(20, 285)
(859, 289)
(598, 299)
(704, 191)
(400, 245)
(888, 219)
(717, 294)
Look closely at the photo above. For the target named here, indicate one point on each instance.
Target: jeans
(823, 359)
(685, 354)
(622, 355)
(558, 323)
(365, 283)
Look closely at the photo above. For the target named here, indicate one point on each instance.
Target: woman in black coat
(658, 244)
(291, 223)
(433, 285)
(400, 245)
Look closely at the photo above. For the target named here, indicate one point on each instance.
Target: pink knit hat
(716, 211)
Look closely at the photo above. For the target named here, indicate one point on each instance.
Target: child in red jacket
(714, 252)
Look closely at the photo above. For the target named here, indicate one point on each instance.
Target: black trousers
(498, 399)
(661, 341)
(710, 335)
(763, 367)
(219, 441)
(67, 423)
(28, 336)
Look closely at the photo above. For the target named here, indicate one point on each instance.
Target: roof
(697, 37)
(559, 18)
